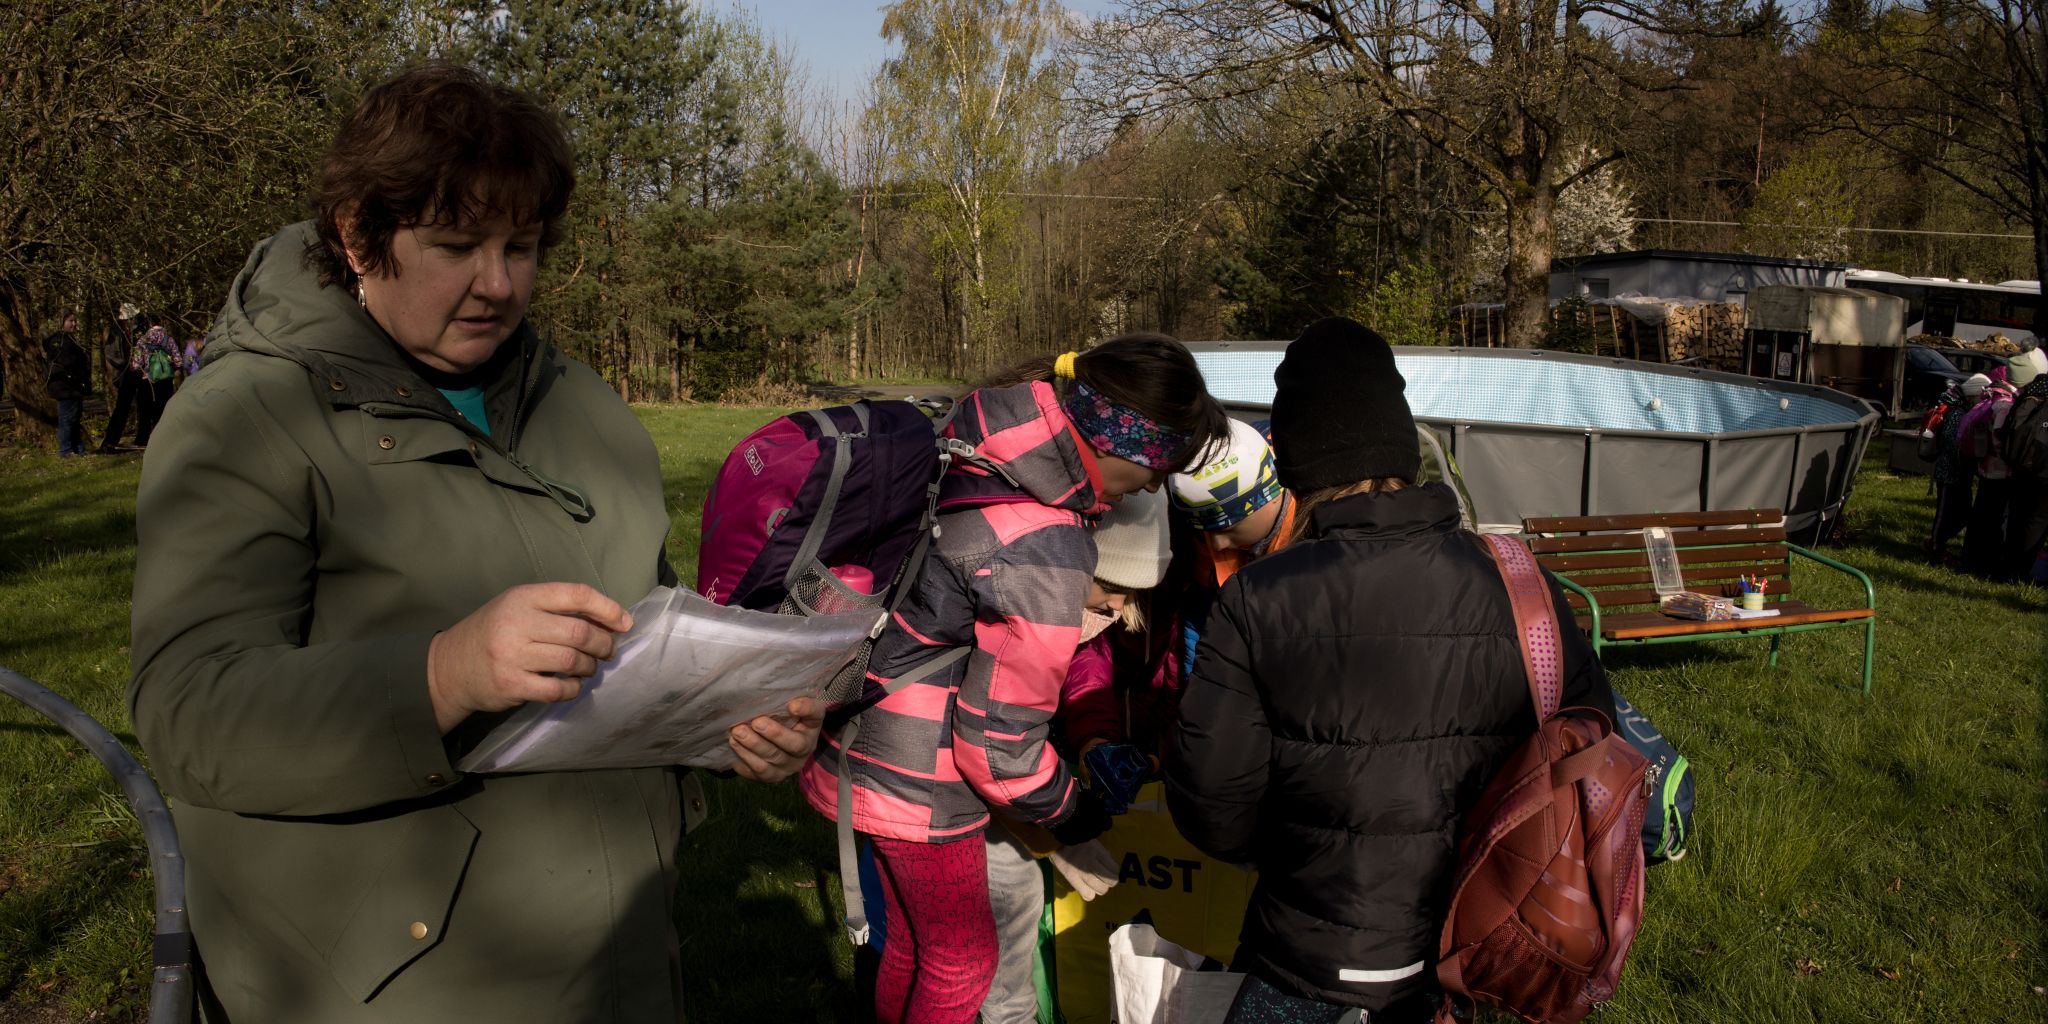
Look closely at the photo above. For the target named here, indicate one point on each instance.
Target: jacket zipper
(520, 410)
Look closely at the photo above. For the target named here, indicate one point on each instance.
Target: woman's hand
(532, 642)
(772, 747)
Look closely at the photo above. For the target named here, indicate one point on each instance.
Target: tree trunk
(22, 357)
(675, 364)
(2035, 132)
(1532, 237)
(2041, 258)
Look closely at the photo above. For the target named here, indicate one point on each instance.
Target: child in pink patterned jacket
(1006, 581)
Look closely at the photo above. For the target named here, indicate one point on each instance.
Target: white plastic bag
(1157, 982)
(687, 671)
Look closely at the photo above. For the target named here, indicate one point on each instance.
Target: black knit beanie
(1339, 415)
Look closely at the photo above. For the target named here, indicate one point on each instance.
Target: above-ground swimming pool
(1555, 434)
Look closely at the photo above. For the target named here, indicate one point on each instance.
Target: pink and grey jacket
(1007, 576)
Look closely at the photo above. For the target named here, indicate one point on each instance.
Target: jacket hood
(1022, 430)
(277, 307)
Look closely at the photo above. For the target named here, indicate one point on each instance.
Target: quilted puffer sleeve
(1219, 749)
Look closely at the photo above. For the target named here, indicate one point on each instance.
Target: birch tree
(970, 86)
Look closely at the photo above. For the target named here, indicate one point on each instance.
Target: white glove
(1088, 868)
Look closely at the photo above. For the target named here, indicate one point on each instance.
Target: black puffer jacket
(68, 377)
(1352, 697)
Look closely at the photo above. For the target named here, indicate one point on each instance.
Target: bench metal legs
(1869, 650)
(1601, 647)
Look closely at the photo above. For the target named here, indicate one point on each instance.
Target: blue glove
(1117, 770)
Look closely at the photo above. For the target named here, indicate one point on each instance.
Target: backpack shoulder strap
(1535, 622)
(829, 438)
(849, 852)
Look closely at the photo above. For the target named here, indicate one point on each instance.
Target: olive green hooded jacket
(311, 512)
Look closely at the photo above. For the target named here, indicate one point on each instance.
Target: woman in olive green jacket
(387, 513)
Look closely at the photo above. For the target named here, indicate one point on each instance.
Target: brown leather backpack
(1549, 889)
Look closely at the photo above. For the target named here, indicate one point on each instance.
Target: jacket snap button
(405, 392)
(387, 442)
(474, 451)
(418, 929)
(337, 384)
(437, 779)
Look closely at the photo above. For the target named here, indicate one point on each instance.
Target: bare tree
(1513, 90)
(1960, 88)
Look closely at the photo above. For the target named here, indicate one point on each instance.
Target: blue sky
(841, 40)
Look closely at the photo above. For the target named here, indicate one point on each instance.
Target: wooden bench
(1606, 572)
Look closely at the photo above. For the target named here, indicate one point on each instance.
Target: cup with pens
(1753, 588)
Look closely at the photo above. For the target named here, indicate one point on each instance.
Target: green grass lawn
(1855, 859)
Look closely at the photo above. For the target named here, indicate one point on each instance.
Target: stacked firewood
(1709, 333)
(1704, 334)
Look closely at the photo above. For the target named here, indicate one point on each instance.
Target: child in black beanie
(1349, 701)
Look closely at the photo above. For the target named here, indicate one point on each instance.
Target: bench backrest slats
(1613, 599)
(1570, 564)
(1704, 580)
(1592, 524)
(1634, 539)
(1605, 554)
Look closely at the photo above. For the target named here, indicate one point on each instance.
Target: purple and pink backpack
(827, 510)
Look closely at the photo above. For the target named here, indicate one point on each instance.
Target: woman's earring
(360, 301)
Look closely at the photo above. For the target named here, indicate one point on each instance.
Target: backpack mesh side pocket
(819, 592)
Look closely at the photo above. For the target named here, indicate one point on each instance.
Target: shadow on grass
(757, 888)
(45, 885)
(55, 516)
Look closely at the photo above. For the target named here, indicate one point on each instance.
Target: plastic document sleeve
(688, 671)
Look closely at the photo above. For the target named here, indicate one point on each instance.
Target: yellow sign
(1194, 900)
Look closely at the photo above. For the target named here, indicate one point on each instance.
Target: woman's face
(1121, 476)
(454, 293)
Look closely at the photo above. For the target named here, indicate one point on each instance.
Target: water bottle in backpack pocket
(1667, 823)
(1930, 432)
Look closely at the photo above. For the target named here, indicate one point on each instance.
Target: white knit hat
(1131, 549)
(1974, 385)
(2023, 368)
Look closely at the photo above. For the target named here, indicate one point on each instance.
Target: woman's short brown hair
(437, 144)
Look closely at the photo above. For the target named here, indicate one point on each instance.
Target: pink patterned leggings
(940, 955)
